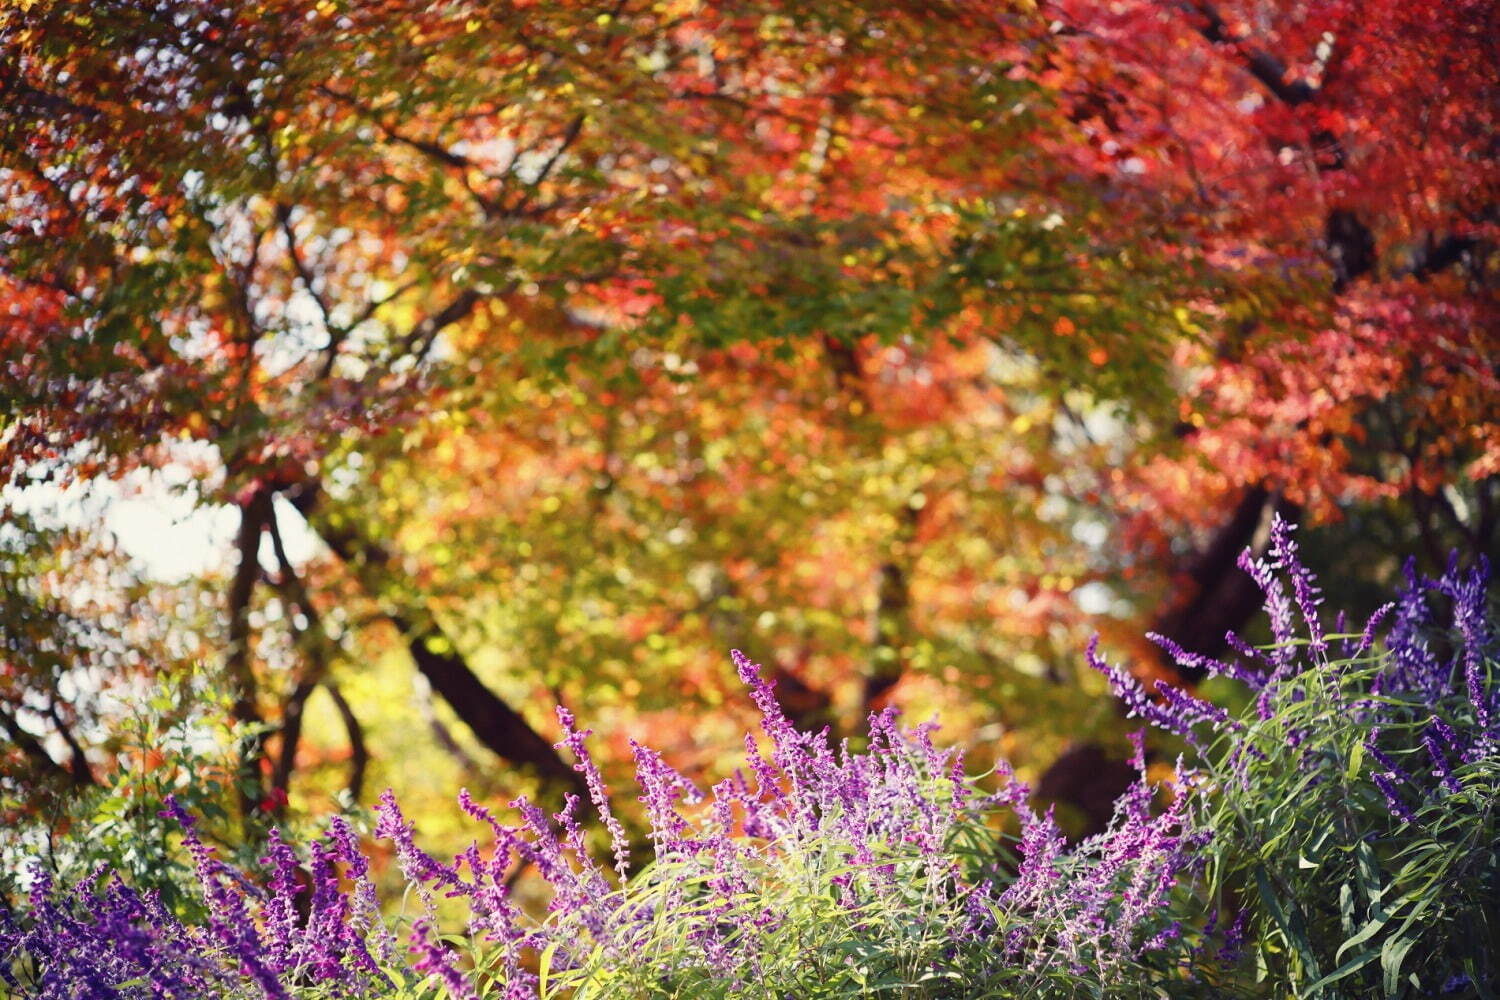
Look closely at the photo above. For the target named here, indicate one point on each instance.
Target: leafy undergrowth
(1334, 838)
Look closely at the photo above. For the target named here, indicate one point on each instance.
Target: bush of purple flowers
(816, 871)
(1353, 805)
(1336, 837)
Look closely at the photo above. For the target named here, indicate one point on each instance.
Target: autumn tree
(590, 339)
(283, 230)
(1347, 153)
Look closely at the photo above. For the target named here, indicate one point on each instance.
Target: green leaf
(1356, 758)
(1348, 968)
(1392, 954)
(544, 970)
(1366, 932)
(1291, 923)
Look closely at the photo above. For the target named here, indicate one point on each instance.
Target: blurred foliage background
(379, 376)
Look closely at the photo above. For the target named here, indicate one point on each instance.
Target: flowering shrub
(1354, 799)
(1339, 831)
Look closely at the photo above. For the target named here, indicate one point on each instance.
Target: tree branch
(255, 511)
(316, 648)
(83, 774)
(494, 723)
(1262, 65)
(359, 754)
(1220, 597)
(32, 747)
(425, 332)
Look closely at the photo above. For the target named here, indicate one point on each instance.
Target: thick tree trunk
(1088, 780)
(887, 665)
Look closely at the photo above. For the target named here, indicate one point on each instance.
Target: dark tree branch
(21, 94)
(1422, 504)
(440, 732)
(83, 774)
(1220, 597)
(359, 754)
(1264, 66)
(338, 334)
(1351, 248)
(1485, 523)
(255, 512)
(304, 274)
(1350, 243)
(418, 341)
(32, 748)
(460, 166)
(318, 650)
(570, 136)
(892, 615)
(494, 723)
(1442, 255)
(292, 712)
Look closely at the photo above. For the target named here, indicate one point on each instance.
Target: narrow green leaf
(1292, 924)
(1392, 954)
(544, 970)
(1348, 968)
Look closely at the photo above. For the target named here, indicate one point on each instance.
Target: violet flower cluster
(1363, 771)
(873, 836)
(815, 865)
(1409, 671)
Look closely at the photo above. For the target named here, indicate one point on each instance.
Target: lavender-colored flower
(777, 726)
(1283, 629)
(1386, 782)
(228, 920)
(1234, 937)
(416, 864)
(1392, 769)
(1468, 592)
(661, 789)
(281, 910)
(583, 763)
(873, 832)
(1367, 637)
(1138, 704)
(436, 960)
(1208, 664)
(364, 925)
(1441, 769)
(1255, 680)
(1283, 552)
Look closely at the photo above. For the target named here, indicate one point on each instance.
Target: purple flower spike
(1367, 638)
(1308, 598)
(1283, 631)
(1386, 782)
(598, 793)
(280, 909)
(1178, 715)
(1234, 937)
(1441, 769)
(435, 959)
(1469, 591)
